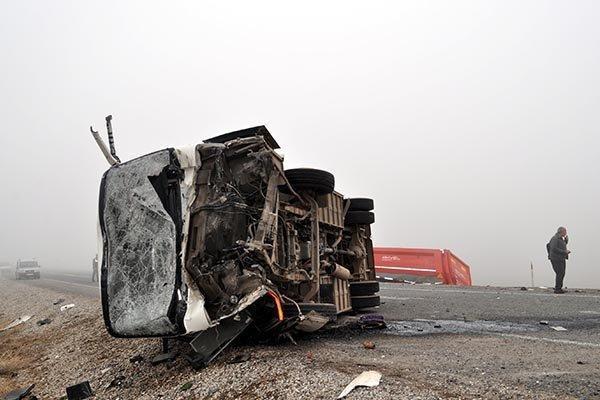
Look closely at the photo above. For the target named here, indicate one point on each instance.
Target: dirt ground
(75, 347)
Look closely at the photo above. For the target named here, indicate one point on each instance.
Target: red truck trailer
(421, 265)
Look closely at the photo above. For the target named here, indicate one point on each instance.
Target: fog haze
(473, 125)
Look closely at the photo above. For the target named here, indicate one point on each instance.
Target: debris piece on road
(59, 301)
(367, 378)
(117, 382)
(543, 287)
(581, 362)
(239, 358)
(163, 357)
(544, 322)
(312, 322)
(44, 321)
(16, 322)
(186, 386)
(523, 288)
(437, 326)
(67, 306)
(309, 356)
(105, 370)
(18, 393)
(559, 328)
(136, 359)
(367, 344)
(79, 391)
(371, 321)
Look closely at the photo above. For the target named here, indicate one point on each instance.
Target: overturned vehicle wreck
(207, 242)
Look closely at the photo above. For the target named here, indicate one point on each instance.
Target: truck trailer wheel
(364, 288)
(361, 204)
(359, 302)
(308, 179)
(359, 218)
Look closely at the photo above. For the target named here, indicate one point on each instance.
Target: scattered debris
(16, 322)
(312, 322)
(581, 362)
(117, 382)
(44, 321)
(367, 344)
(136, 359)
(309, 356)
(367, 378)
(371, 321)
(186, 386)
(523, 288)
(437, 326)
(239, 358)
(79, 391)
(544, 322)
(18, 393)
(559, 328)
(163, 357)
(59, 301)
(67, 306)
(543, 287)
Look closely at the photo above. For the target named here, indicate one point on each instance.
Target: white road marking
(401, 298)
(72, 283)
(494, 293)
(545, 339)
(75, 275)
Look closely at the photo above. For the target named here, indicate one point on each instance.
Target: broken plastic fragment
(67, 306)
(559, 328)
(163, 357)
(367, 378)
(79, 391)
(16, 322)
(369, 345)
(18, 393)
(44, 321)
(371, 321)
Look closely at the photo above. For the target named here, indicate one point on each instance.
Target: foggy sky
(473, 125)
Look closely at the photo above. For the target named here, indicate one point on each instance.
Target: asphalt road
(457, 309)
(451, 342)
(66, 282)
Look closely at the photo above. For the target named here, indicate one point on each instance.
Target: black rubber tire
(359, 218)
(360, 302)
(364, 288)
(361, 204)
(308, 179)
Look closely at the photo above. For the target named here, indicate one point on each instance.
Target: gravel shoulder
(417, 360)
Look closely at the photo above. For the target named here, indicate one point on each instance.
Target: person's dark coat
(557, 248)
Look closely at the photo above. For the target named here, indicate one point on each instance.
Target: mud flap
(210, 343)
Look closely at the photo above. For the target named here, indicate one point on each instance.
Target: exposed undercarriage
(206, 241)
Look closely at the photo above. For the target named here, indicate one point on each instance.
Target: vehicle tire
(361, 204)
(308, 179)
(359, 302)
(364, 288)
(359, 218)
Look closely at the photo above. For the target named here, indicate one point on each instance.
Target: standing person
(95, 269)
(558, 255)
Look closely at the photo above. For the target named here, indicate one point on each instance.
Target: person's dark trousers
(559, 267)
